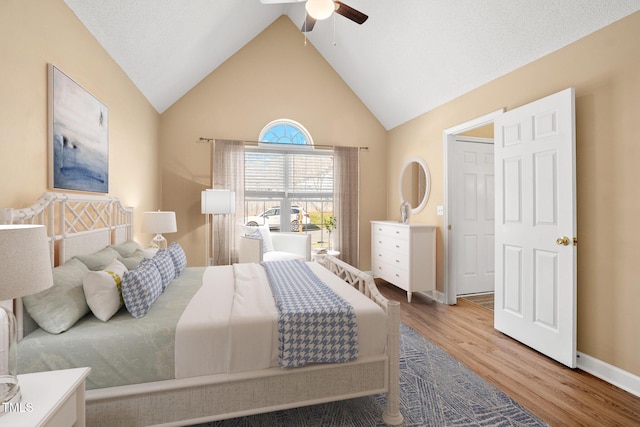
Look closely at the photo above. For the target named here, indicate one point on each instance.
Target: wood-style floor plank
(558, 395)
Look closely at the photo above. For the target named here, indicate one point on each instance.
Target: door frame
(448, 136)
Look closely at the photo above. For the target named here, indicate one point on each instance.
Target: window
(289, 176)
(285, 131)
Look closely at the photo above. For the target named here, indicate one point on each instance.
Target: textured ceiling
(408, 58)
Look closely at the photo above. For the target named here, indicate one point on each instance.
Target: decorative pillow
(132, 261)
(262, 232)
(99, 260)
(141, 287)
(178, 256)
(166, 267)
(127, 249)
(58, 308)
(102, 290)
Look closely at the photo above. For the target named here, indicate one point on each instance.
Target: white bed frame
(82, 224)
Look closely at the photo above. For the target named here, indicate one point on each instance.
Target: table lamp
(159, 222)
(25, 269)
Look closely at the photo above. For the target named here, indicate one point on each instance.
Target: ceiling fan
(318, 10)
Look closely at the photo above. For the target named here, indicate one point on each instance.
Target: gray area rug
(435, 390)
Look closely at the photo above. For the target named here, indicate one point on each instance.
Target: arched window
(285, 131)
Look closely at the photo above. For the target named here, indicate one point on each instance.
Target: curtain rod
(257, 143)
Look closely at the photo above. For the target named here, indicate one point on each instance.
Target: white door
(535, 296)
(472, 230)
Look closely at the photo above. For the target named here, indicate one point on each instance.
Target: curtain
(228, 174)
(346, 202)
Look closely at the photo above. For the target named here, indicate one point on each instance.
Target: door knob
(564, 241)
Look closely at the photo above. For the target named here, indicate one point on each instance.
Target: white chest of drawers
(404, 255)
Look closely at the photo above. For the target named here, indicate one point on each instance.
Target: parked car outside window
(272, 218)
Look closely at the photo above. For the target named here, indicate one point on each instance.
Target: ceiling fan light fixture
(320, 9)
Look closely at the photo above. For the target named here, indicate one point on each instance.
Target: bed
(183, 386)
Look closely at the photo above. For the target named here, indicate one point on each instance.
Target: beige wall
(274, 76)
(605, 70)
(34, 33)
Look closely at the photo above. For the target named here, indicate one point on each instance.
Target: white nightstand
(53, 398)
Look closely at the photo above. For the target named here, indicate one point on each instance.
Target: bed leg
(392, 414)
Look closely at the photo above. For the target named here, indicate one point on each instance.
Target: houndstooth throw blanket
(315, 324)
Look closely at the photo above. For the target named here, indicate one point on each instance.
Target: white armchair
(285, 246)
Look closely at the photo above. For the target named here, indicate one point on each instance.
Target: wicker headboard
(76, 224)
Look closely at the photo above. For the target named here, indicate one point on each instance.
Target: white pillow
(102, 290)
(266, 238)
(261, 232)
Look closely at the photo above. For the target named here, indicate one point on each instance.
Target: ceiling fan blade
(308, 24)
(350, 13)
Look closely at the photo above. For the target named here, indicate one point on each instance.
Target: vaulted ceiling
(409, 57)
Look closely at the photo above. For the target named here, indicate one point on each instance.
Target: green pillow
(58, 308)
(127, 249)
(135, 258)
(99, 260)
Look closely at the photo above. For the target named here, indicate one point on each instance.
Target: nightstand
(52, 398)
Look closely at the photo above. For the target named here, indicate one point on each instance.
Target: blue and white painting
(80, 136)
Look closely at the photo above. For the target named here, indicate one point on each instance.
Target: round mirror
(415, 184)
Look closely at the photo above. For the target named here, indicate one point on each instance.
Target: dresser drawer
(392, 274)
(396, 259)
(391, 230)
(383, 242)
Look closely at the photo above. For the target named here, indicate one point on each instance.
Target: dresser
(404, 255)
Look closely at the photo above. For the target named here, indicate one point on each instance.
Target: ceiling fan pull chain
(334, 28)
(305, 27)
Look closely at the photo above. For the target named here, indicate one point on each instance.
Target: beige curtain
(346, 181)
(228, 174)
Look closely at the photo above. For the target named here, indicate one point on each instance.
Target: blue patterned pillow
(166, 267)
(141, 287)
(178, 256)
(264, 234)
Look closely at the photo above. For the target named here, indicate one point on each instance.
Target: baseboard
(609, 373)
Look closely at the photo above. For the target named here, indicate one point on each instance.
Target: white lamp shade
(159, 222)
(320, 9)
(218, 202)
(26, 261)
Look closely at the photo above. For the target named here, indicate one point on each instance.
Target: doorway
(472, 207)
(454, 255)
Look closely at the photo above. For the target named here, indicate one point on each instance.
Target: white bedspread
(231, 324)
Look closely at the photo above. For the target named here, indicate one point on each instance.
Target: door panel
(473, 218)
(535, 300)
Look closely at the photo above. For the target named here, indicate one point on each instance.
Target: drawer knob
(397, 246)
(397, 260)
(397, 275)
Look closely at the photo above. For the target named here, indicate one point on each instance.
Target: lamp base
(10, 395)
(158, 242)
(9, 388)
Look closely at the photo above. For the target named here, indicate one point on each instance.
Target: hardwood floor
(558, 395)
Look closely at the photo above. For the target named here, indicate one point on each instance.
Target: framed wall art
(78, 136)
